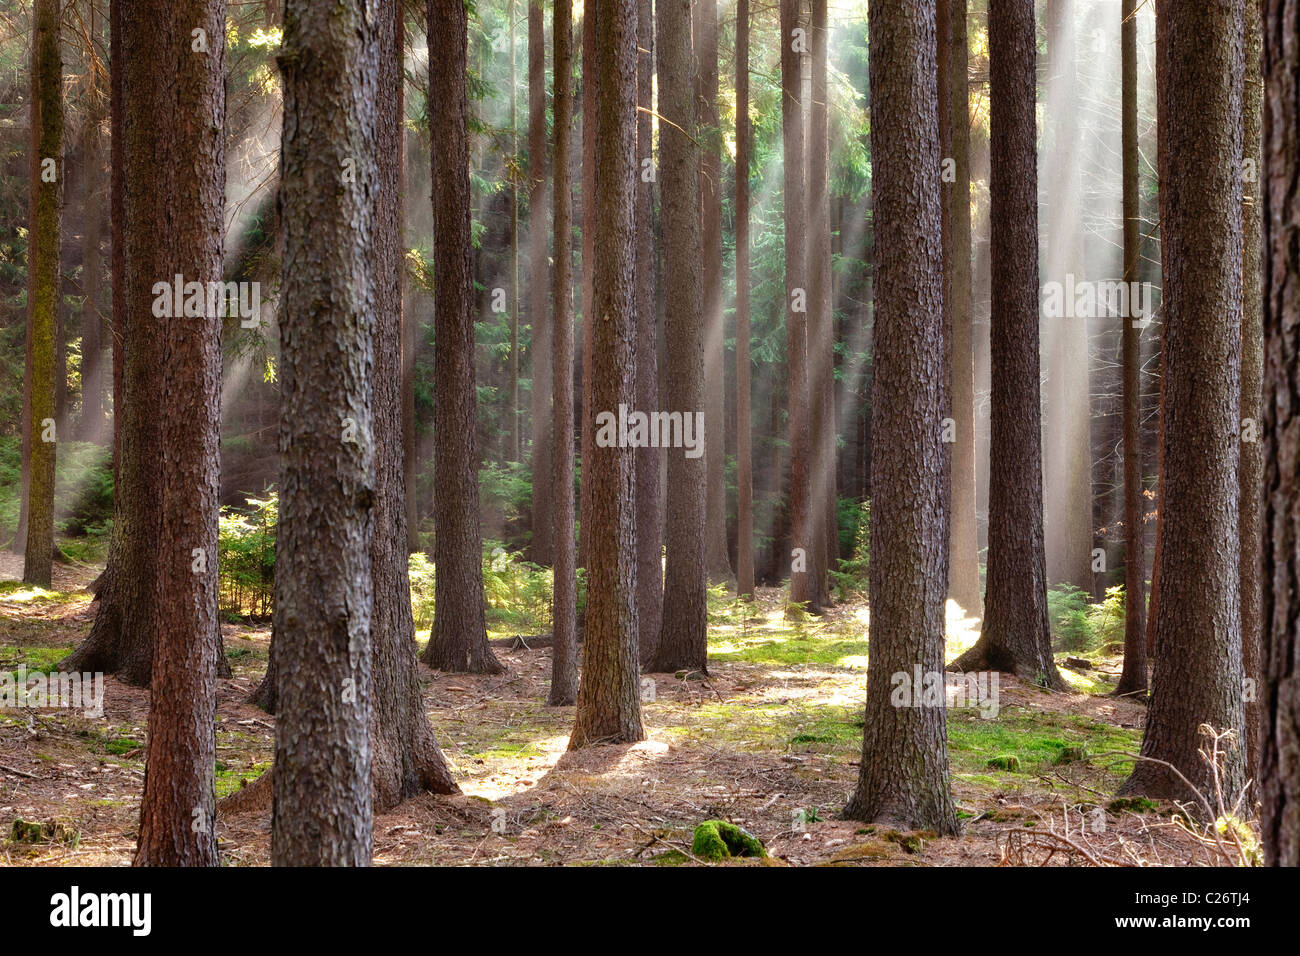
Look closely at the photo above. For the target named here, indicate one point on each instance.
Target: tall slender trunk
(587, 428)
(512, 451)
(458, 641)
(683, 637)
(93, 408)
(1015, 635)
(1197, 679)
(803, 589)
(903, 778)
(176, 226)
(609, 698)
(564, 659)
(43, 292)
(539, 287)
(1133, 679)
(744, 424)
(649, 461)
(405, 758)
(821, 338)
(708, 132)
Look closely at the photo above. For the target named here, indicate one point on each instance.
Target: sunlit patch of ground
(769, 739)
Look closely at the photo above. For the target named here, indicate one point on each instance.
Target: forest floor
(769, 740)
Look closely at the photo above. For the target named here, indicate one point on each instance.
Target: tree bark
(539, 288)
(323, 807)
(1252, 371)
(963, 528)
(1197, 679)
(744, 423)
(44, 294)
(609, 699)
(803, 588)
(176, 225)
(649, 461)
(1133, 679)
(459, 636)
(903, 780)
(821, 338)
(405, 758)
(1280, 708)
(708, 132)
(683, 636)
(1015, 635)
(564, 653)
(93, 408)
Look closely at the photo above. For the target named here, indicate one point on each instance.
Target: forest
(649, 433)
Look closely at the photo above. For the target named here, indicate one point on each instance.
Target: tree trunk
(587, 428)
(717, 560)
(91, 424)
(1133, 679)
(1252, 371)
(803, 589)
(609, 700)
(176, 226)
(44, 294)
(538, 288)
(903, 779)
(564, 653)
(123, 635)
(649, 461)
(512, 452)
(683, 637)
(821, 339)
(1015, 636)
(405, 758)
(963, 528)
(459, 636)
(1280, 707)
(1197, 678)
(744, 424)
(323, 807)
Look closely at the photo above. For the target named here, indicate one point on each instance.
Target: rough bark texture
(1133, 680)
(609, 698)
(649, 461)
(683, 639)
(43, 292)
(717, 560)
(903, 779)
(539, 286)
(587, 429)
(963, 528)
(1280, 709)
(744, 425)
(1197, 678)
(1015, 636)
(323, 804)
(564, 655)
(512, 435)
(405, 758)
(175, 158)
(459, 637)
(802, 586)
(821, 337)
(121, 640)
(1252, 386)
(93, 407)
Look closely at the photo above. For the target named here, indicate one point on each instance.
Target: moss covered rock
(718, 840)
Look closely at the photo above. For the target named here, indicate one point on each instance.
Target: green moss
(1007, 762)
(719, 840)
(1133, 804)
